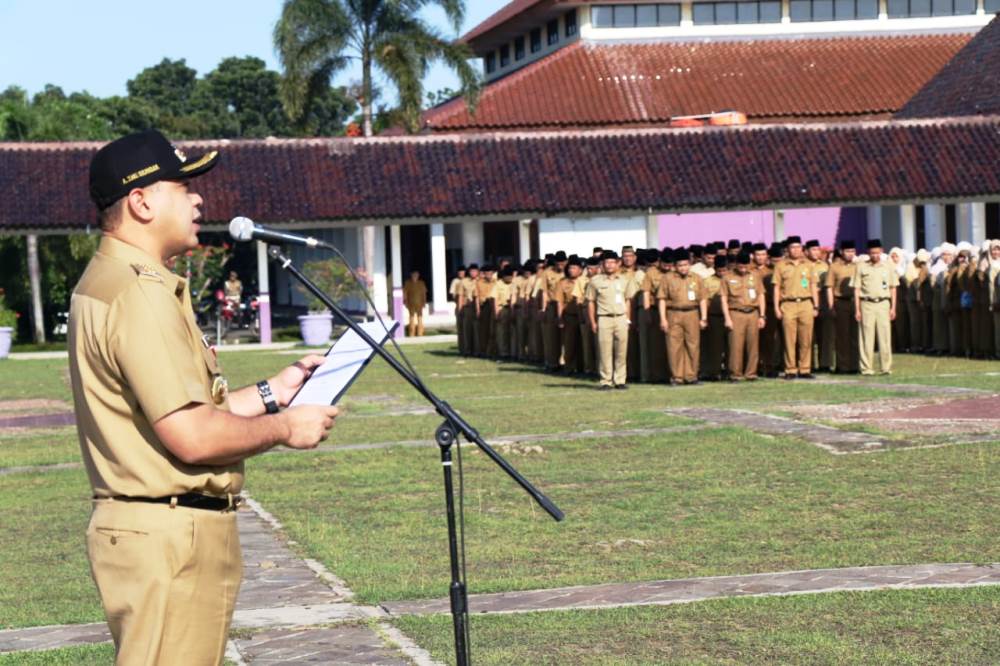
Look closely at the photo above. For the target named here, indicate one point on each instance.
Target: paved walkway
(665, 592)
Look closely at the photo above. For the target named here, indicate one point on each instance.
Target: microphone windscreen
(241, 228)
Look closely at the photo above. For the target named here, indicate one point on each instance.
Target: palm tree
(315, 39)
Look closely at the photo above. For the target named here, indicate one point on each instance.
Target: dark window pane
(725, 12)
(536, 40)
(645, 16)
(504, 55)
(746, 12)
(770, 11)
(822, 10)
(899, 8)
(867, 9)
(965, 6)
(991, 6)
(570, 22)
(703, 13)
(625, 16)
(553, 30)
(603, 16)
(920, 7)
(518, 48)
(671, 14)
(942, 7)
(843, 10)
(801, 10)
(491, 63)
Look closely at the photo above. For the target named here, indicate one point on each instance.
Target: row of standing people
(709, 312)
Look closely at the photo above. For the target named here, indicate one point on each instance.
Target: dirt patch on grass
(33, 406)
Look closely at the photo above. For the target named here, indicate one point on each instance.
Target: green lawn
(88, 655)
(897, 628)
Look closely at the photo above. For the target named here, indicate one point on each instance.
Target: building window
(536, 40)
(637, 16)
(952, 7)
(603, 17)
(645, 16)
(671, 14)
(726, 13)
(909, 8)
(991, 6)
(833, 10)
(625, 16)
(491, 62)
(519, 48)
(569, 23)
(504, 55)
(553, 31)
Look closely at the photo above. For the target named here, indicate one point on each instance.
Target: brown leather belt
(746, 310)
(875, 300)
(690, 309)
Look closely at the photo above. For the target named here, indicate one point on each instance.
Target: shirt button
(114, 540)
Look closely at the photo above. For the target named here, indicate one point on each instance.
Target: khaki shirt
(456, 284)
(503, 293)
(566, 294)
(742, 291)
(875, 280)
(681, 292)
(415, 294)
(713, 292)
(795, 278)
(484, 289)
(467, 289)
(552, 277)
(135, 356)
(610, 294)
(839, 279)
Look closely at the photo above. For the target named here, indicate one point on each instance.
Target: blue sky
(97, 45)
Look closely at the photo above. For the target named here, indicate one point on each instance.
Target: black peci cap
(574, 261)
(681, 254)
(506, 271)
(667, 255)
(609, 254)
(793, 240)
(848, 245)
(812, 243)
(593, 261)
(759, 247)
(139, 160)
(460, 268)
(734, 244)
(473, 267)
(775, 251)
(743, 258)
(598, 250)
(560, 256)
(873, 243)
(721, 262)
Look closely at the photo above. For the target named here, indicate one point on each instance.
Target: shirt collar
(130, 254)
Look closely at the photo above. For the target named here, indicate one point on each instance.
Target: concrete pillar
(473, 243)
(439, 270)
(524, 240)
(396, 251)
(263, 294)
(908, 227)
(379, 288)
(35, 281)
(653, 231)
(874, 215)
(972, 222)
(779, 226)
(934, 225)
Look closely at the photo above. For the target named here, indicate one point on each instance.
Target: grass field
(717, 500)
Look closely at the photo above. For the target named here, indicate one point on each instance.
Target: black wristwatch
(270, 403)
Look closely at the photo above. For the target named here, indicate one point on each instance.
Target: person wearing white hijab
(919, 315)
(944, 254)
(901, 324)
(993, 275)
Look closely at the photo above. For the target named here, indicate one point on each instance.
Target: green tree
(167, 86)
(315, 39)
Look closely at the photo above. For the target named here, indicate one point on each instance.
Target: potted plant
(8, 327)
(333, 278)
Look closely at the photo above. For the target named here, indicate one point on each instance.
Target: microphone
(243, 229)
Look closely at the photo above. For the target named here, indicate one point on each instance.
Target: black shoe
(675, 382)
(621, 387)
(808, 375)
(605, 387)
(789, 376)
(692, 382)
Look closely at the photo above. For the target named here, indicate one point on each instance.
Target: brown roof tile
(520, 175)
(588, 84)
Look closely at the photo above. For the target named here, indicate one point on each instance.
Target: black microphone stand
(446, 435)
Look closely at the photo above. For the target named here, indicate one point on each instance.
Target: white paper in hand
(344, 362)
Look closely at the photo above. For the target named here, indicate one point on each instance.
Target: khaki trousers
(847, 336)
(875, 327)
(551, 338)
(415, 326)
(797, 324)
(612, 340)
(743, 345)
(167, 578)
(683, 344)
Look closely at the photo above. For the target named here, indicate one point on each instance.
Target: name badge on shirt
(691, 296)
(619, 296)
(752, 293)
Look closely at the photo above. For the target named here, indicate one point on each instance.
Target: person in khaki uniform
(536, 331)
(683, 315)
(770, 338)
(486, 312)
(568, 312)
(453, 291)
(916, 274)
(713, 338)
(551, 338)
(504, 298)
(414, 300)
(875, 283)
(654, 362)
(825, 327)
(630, 269)
(522, 289)
(470, 310)
(162, 439)
(797, 300)
(608, 296)
(743, 308)
(588, 341)
(840, 302)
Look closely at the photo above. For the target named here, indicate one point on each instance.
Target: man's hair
(111, 217)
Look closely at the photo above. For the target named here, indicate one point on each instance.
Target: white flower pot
(6, 338)
(316, 328)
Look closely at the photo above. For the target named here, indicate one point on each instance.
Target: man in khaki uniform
(522, 288)
(504, 298)
(414, 300)
(631, 270)
(568, 312)
(486, 312)
(551, 338)
(824, 327)
(840, 302)
(797, 300)
(469, 308)
(764, 260)
(875, 283)
(453, 291)
(162, 439)
(588, 341)
(608, 296)
(683, 310)
(536, 333)
(713, 338)
(743, 308)
(654, 356)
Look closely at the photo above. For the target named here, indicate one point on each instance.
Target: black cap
(598, 250)
(627, 248)
(711, 248)
(560, 256)
(746, 246)
(812, 243)
(721, 262)
(759, 247)
(574, 261)
(775, 251)
(488, 268)
(848, 245)
(697, 250)
(506, 271)
(139, 160)
(609, 254)
(460, 268)
(667, 255)
(874, 242)
(793, 240)
(743, 258)
(473, 267)
(734, 244)
(594, 261)
(681, 255)
(529, 266)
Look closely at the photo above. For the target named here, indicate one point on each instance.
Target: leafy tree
(167, 86)
(315, 39)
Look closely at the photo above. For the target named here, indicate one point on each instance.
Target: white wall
(582, 236)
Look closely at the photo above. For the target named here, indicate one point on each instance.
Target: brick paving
(665, 592)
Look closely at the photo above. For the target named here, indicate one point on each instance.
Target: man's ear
(139, 206)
